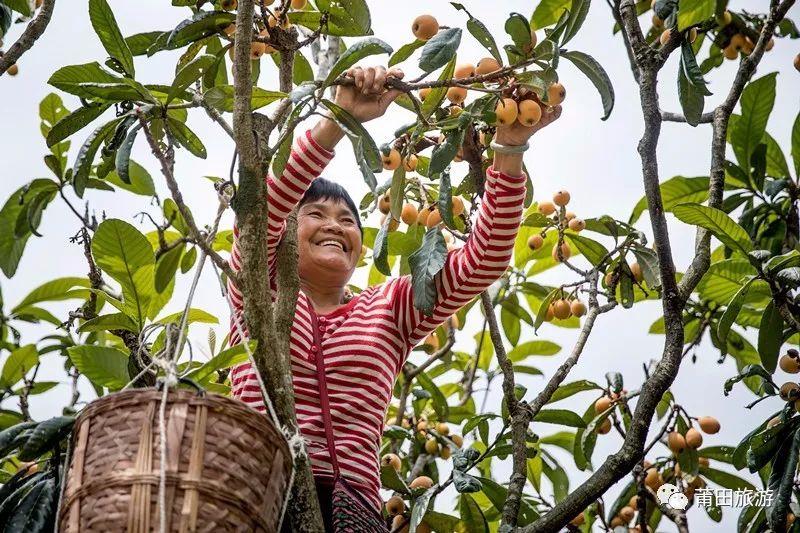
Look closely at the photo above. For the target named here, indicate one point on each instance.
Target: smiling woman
(347, 352)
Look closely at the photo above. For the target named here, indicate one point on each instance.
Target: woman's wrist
(327, 133)
(508, 164)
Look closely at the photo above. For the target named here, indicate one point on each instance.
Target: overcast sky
(595, 160)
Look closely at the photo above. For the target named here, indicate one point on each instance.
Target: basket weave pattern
(227, 466)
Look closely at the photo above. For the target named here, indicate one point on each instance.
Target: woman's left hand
(368, 97)
(517, 134)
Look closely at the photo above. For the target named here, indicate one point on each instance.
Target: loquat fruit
(455, 110)
(458, 440)
(422, 217)
(730, 52)
(561, 198)
(400, 524)
(464, 70)
(703, 461)
(657, 22)
(535, 241)
(708, 424)
(458, 206)
(627, 513)
(738, 42)
(434, 219)
(725, 19)
(566, 252)
(789, 364)
(409, 214)
(653, 479)
(391, 459)
(561, 309)
(410, 163)
(602, 403)
(693, 438)
(636, 270)
(230, 29)
(577, 225)
(578, 308)
(578, 520)
(604, 427)
(633, 503)
(442, 428)
(547, 208)
(299, 4)
(692, 35)
(506, 111)
(421, 482)
(445, 454)
(616, 522)
(556, 94)
(257, 50)
(424, 27)
(487, 65)
(424, 92)
(797, 62)
(529, 113)
(12, 70)
(665, 36)
(395, 506)
(676, 442)
(385, 203)
(229, 5)
(789, 391)
(391, 161)
(431, 447)
(770, 44)
(548, 316)
(393, 223)
(457, 95)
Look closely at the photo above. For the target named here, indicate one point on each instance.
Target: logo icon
(668, 494)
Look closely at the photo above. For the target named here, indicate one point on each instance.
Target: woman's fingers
(380, 80)
(357, 73)
(396, 73)
(369, 80)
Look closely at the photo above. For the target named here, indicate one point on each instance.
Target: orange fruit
(487, 65)
(556, 94)
(424, 27)
(392, 160)
(409, 215)
(506, 111)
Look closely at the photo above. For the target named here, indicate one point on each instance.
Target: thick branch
(34, 30)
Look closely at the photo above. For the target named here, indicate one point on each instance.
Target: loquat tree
(437, 436)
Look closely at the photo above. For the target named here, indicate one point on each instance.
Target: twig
(34, 30)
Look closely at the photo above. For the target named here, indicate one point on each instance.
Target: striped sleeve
(474, 267)
(306, 162)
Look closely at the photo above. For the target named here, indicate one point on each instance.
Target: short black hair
(323, 189)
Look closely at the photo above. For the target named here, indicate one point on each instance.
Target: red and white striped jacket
(366, 341)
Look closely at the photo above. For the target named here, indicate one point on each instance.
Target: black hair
(323, 189)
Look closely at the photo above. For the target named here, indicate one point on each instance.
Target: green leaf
(11, 245)
(354, 129)
(438, 398)
(103, 365)
(221, 97)
(781, 482)
(675, 191)
(717, 222)
(593, 250)
(796, 145)
(186, 137)
(724, 479)
(472, 518)
(19, 362)
(23, 7)
(405, 51)
(123, 156)
(440, 49)
(569, 389)
(139, 43)
(11, 436)
(730, 314)
(85, 157)
(597, 75)
(577, 16)
(189, 73)
(770, 337)
(691, 12)
(391, 480)
(74, 122)
(519, 30)
(105, 26)
(201, 25)
(355, 53)
(526, 349)
(52, 291)
(481, 33)
(70, 78)
(140, 181)
(436, 96)
(35, 513)
(420, 508)
(776, 161)
(746, 133)
(691, 98)
(346, 17)
(560, 416)
(109, 322)
(380, 251)
(195, 315)
(425, 263)
(692, 69)
(166, 267)
(44, 437)
(548, 12)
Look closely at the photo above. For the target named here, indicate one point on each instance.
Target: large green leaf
(103, 365)
(17, 365)
(355, 53)
(591, 249)
(436, 96)
(225, 359)
(746, 133)
(69, 78)
(526, 349)
(22, 7)
(189, 73)
(796, 145)
(425, 263)
(45, 436)
(724, 479)
(139, 180)
(221, 97)
(481, 33)
(109, 322)
(729, 316)
(691, 97)
(87, 152)
(472, 517)
(201, 25)
(440, 49)
(364, 147)
(776, 161)
(11, 245)
(717, 222)
(597, 75)
(691, 12)
(74, 122)
(186, 137)
(770, 337)
(675, 191)
(548, 12)
(405, 51)
(54, 290)
(36, 511)
(560, 416)
(568, 389)
(105, 26)
(347, 18)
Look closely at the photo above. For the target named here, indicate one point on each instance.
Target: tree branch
(34, 30)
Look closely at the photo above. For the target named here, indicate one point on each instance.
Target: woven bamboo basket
(227, 466)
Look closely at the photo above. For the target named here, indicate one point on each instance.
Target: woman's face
(329, 242)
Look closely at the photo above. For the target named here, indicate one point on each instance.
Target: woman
(365, 339)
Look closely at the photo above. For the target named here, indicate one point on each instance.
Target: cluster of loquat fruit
(275, 19)
(567, 219)
(789, 391)
(428, 437)
(424, 215)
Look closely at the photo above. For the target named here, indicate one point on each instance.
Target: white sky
(596, 161)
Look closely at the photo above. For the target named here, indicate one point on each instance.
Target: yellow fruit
(422, 217)
(547, 208)
(748, 46)
(457, 95)
(434, 219)
(421, 482)
(487, 65)
(445, 454)
(391, 459)
(230, 29)
(636, 270)
(693, 438)
(549, 314)
(565, 252)
(424, 92)
(458, 206)
(464, 70)
(410, 163)
(692, 36)
(409, 214)
(265, 3)
(608, 279)
(432, 447)
(422, 425)
(400, 524)
(458, 440)
(424, 27)
(725, 19)
(569, 215)
(797, 62)
(616, 521)
(708, 424)
(385, 203)
(299, 4)
(790, 518)
(393, 223)
(422, 527)
(556, 94)
(257, 50)
(535, 242)
(13, 70)
(738, 42)
(529, 48)
(506, 111)
(604, 427)
(395, 506)
(228, 5)
(602, 404)
(676, 442)
(391, 161)
(442, 428)
(529, 113)
(633, 503)
(789, 391)
(561, 198)
(455, 110)
(657, 22)
(561, 309)
(627, 513)
(665, 35)
(578, 520)
(275, 19)
(39, 3)
(789, 364)
(577, 225)
(653, 479)
(730, 52)
(770, 44)
(578, 308)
